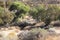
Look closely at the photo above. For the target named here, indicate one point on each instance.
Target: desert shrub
(1, 21)
(8, 17)
(41, 13)
(20, 6)
(38, 12)
(20, 18)
(34, 12)
(52, 13)
(22, 9)
(5, 16)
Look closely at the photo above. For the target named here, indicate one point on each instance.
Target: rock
(37, 25)
(24, 24)
(55, 30)
(21, 24)
(27, 35)
(55, 23)
(51, 31)
(40, 24)
(29, 27)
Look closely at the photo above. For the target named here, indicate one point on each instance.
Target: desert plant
(5, 16)
(34, 12)
(20, 6)
(22, 9)
(38, 12)
(52, 13)
(41, 13)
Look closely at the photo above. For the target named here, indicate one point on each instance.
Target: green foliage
(21, 18)
(34, 12)
(5, 16)
(41, 7)
(8, 17)
(46, 14)
(38, 12)
(22, 7)
(52, 13)
(1, 21)
(41, 12)
(1, 11)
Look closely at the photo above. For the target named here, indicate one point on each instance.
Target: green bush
(22, 10)
(5, 16)
(46, 14)
(52, 13)
(1, 21)
(21, 6)
(34, 12)
(41, 12)
(38, 12)
(8, 17)
(20, 18)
